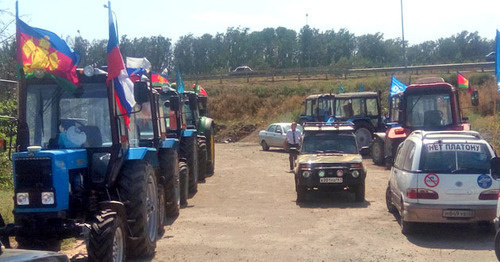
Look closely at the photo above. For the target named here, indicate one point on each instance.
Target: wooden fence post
(298, 77)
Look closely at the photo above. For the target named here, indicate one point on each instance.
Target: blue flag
(396, 87)
(341, 89)
(180, 83)
(497, 59)
(361, 88)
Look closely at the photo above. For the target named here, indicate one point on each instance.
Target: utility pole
(307, 18)
(403, 36)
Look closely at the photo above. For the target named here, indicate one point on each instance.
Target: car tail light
(491, 194)
(421, 193)
(397, 132)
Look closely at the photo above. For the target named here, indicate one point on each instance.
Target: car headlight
(355, 173)
(23, 199)
(48, 198)
(321, 173)
(306, 174)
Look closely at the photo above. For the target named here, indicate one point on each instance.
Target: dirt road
(247, 211)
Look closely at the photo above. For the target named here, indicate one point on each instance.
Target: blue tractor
(360, 108)
(81, 167)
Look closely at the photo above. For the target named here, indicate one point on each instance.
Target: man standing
(292, 141)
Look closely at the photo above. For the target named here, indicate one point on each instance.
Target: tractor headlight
(48, 198)
(306, 174)
(23, 199)
(355, 173)
(321, 173)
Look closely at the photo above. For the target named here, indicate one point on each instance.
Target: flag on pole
(396, 87)
(361, 88)
(179, 82)
(42, 50)
(497, 59)
(117, 74)
(158, 79)
(463, 82)
(199, 90)
(341, 89)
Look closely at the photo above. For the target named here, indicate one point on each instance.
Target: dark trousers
(293, 151)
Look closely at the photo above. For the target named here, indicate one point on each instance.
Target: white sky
(424, 19)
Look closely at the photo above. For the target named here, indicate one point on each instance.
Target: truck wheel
(497, 245)
(190, 151)
(363, 133)
(38, 243)
(388, 202)
(107, 238)
(162, 215)
(202, 161)
(210, 151)
(170, 161)
(377, 151)
(301, 193)
(138, 189)
(184, 183)
(264, 145)
(359, 194)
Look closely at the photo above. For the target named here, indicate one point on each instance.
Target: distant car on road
(443, 177)
(274, 135)
(243, 69)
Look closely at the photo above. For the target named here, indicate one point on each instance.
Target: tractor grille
(33, 173)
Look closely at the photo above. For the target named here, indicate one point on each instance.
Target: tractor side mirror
(3, 145)
(474, 99)
(495, 167)
(141, 92)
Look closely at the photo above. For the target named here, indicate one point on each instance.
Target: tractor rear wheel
(169, 160)
(107, 238)
(138, 189)
(210, 150)
(190, 150)
(184, 183)
(363, 133)
(202, 161)
(377, 151)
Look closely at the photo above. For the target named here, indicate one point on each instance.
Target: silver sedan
(274, 135)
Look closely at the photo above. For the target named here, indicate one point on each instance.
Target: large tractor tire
(38, 243)
(139, 191)
(189, 149)
(202, 161)
(184, 182)
(210, 150)
(169, 163)
(162, 213)
(364, 133)
(377, 151)
(107, 238)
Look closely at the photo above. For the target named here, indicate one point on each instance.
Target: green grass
(7, 205)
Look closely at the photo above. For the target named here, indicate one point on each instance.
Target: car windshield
(60, 119)
(326, 142)
(432, 110)
(460, 158)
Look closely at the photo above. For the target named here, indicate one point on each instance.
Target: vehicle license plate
(331, 180)
(458, 213)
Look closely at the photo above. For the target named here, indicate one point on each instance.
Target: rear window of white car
(455, 158)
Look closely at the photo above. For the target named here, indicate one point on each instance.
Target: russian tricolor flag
(124, 88)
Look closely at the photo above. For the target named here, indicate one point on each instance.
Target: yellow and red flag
(39, 49)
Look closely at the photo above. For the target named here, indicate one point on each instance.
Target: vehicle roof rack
(324, 126)
(426, 134)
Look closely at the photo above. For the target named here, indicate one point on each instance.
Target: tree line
(273, 48)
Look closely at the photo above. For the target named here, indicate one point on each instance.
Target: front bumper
(314, 181)
(414, 212)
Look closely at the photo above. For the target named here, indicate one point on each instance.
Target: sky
(423, 19)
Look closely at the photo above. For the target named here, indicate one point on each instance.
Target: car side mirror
(141, 92)
(495, 167)
(474, 99)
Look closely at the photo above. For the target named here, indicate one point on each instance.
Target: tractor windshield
(431, 110)
(346, 108)
(59, 119)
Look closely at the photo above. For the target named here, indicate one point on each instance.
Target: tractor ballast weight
(80, 169)
(430, 106)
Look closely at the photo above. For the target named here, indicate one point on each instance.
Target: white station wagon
(443, 177)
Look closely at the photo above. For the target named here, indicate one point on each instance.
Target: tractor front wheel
(107, 238)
